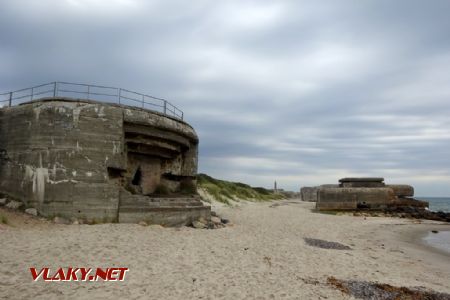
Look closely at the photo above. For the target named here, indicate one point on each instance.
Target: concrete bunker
(309, 194)
(107, 162)
(365, 193)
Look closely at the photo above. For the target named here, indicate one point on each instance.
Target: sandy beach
(262, 255)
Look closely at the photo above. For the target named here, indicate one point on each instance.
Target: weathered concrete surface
(72, 158)
(323, 186)
(362, 182)
(353, 198)
(365, 193)
(402, 190)
(361, 179)
(167, 211)
(409, 202)
(310, 193)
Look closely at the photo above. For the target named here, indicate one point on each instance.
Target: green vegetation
(224, 191)
(3, 219)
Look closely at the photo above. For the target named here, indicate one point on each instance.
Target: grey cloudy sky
(302, 92)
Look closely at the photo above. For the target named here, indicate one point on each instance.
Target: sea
(437, 203)
(440, 239)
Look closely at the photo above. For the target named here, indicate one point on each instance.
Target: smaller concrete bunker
(103, 162)
(309, 194)
(361, 193)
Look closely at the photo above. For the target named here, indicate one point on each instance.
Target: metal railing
(90, 92)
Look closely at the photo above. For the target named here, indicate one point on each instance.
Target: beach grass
(4, 219)
(224, 191)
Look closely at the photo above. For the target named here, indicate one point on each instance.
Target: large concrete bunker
(98, 161)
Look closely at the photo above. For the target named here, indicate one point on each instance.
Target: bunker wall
(72, 158)
(351, 198)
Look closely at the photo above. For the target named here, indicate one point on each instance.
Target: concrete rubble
(14, 204)
(214, 223)
(31, 211)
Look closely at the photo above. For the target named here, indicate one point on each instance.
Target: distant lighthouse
(275, 190)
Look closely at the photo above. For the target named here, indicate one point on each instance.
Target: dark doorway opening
(137, 177)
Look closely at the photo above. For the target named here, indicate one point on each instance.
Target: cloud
(296, 91)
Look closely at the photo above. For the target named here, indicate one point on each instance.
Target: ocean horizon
(437, 203)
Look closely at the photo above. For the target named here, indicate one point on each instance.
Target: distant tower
(275, 187)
